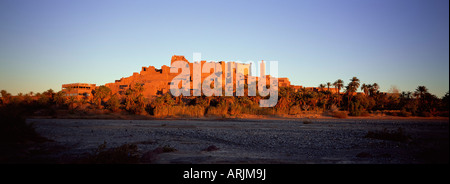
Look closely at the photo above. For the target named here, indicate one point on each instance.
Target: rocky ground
(248, 141)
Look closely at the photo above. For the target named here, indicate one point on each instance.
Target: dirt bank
(250, 140)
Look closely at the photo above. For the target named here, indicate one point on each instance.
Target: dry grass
(294, 110)
(404, 113)
(186, 111)
(365, 114)
(340, 114)
(220, 111)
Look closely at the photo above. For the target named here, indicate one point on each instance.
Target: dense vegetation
(290, 102)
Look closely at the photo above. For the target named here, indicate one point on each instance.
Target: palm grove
(290, 102)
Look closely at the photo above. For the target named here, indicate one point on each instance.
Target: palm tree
(4, 93)
(354, 84)
(373, 89)
(59, 98)
(425, 98)
(6, 97)
(27, 98)
(339, 84)
(19, 98)
(376, 87)
(351, 88)
(365, 88)
(322, 87)
(420, 92)
(49, 93)
(328, 85)
(406, 95)
(445, 100)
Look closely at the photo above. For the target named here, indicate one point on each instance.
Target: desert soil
(299, 141)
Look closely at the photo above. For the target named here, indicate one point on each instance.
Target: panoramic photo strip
(224, 90)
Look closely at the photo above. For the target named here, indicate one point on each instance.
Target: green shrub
(355, 108)
(113, 103)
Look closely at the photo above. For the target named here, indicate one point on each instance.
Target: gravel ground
(252, 141)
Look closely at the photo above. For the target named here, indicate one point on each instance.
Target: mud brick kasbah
(157, 82)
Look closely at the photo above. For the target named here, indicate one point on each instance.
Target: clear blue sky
(45, 43)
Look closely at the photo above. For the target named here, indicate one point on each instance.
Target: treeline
(342, 101)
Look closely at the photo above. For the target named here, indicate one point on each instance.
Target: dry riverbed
(248, 141)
